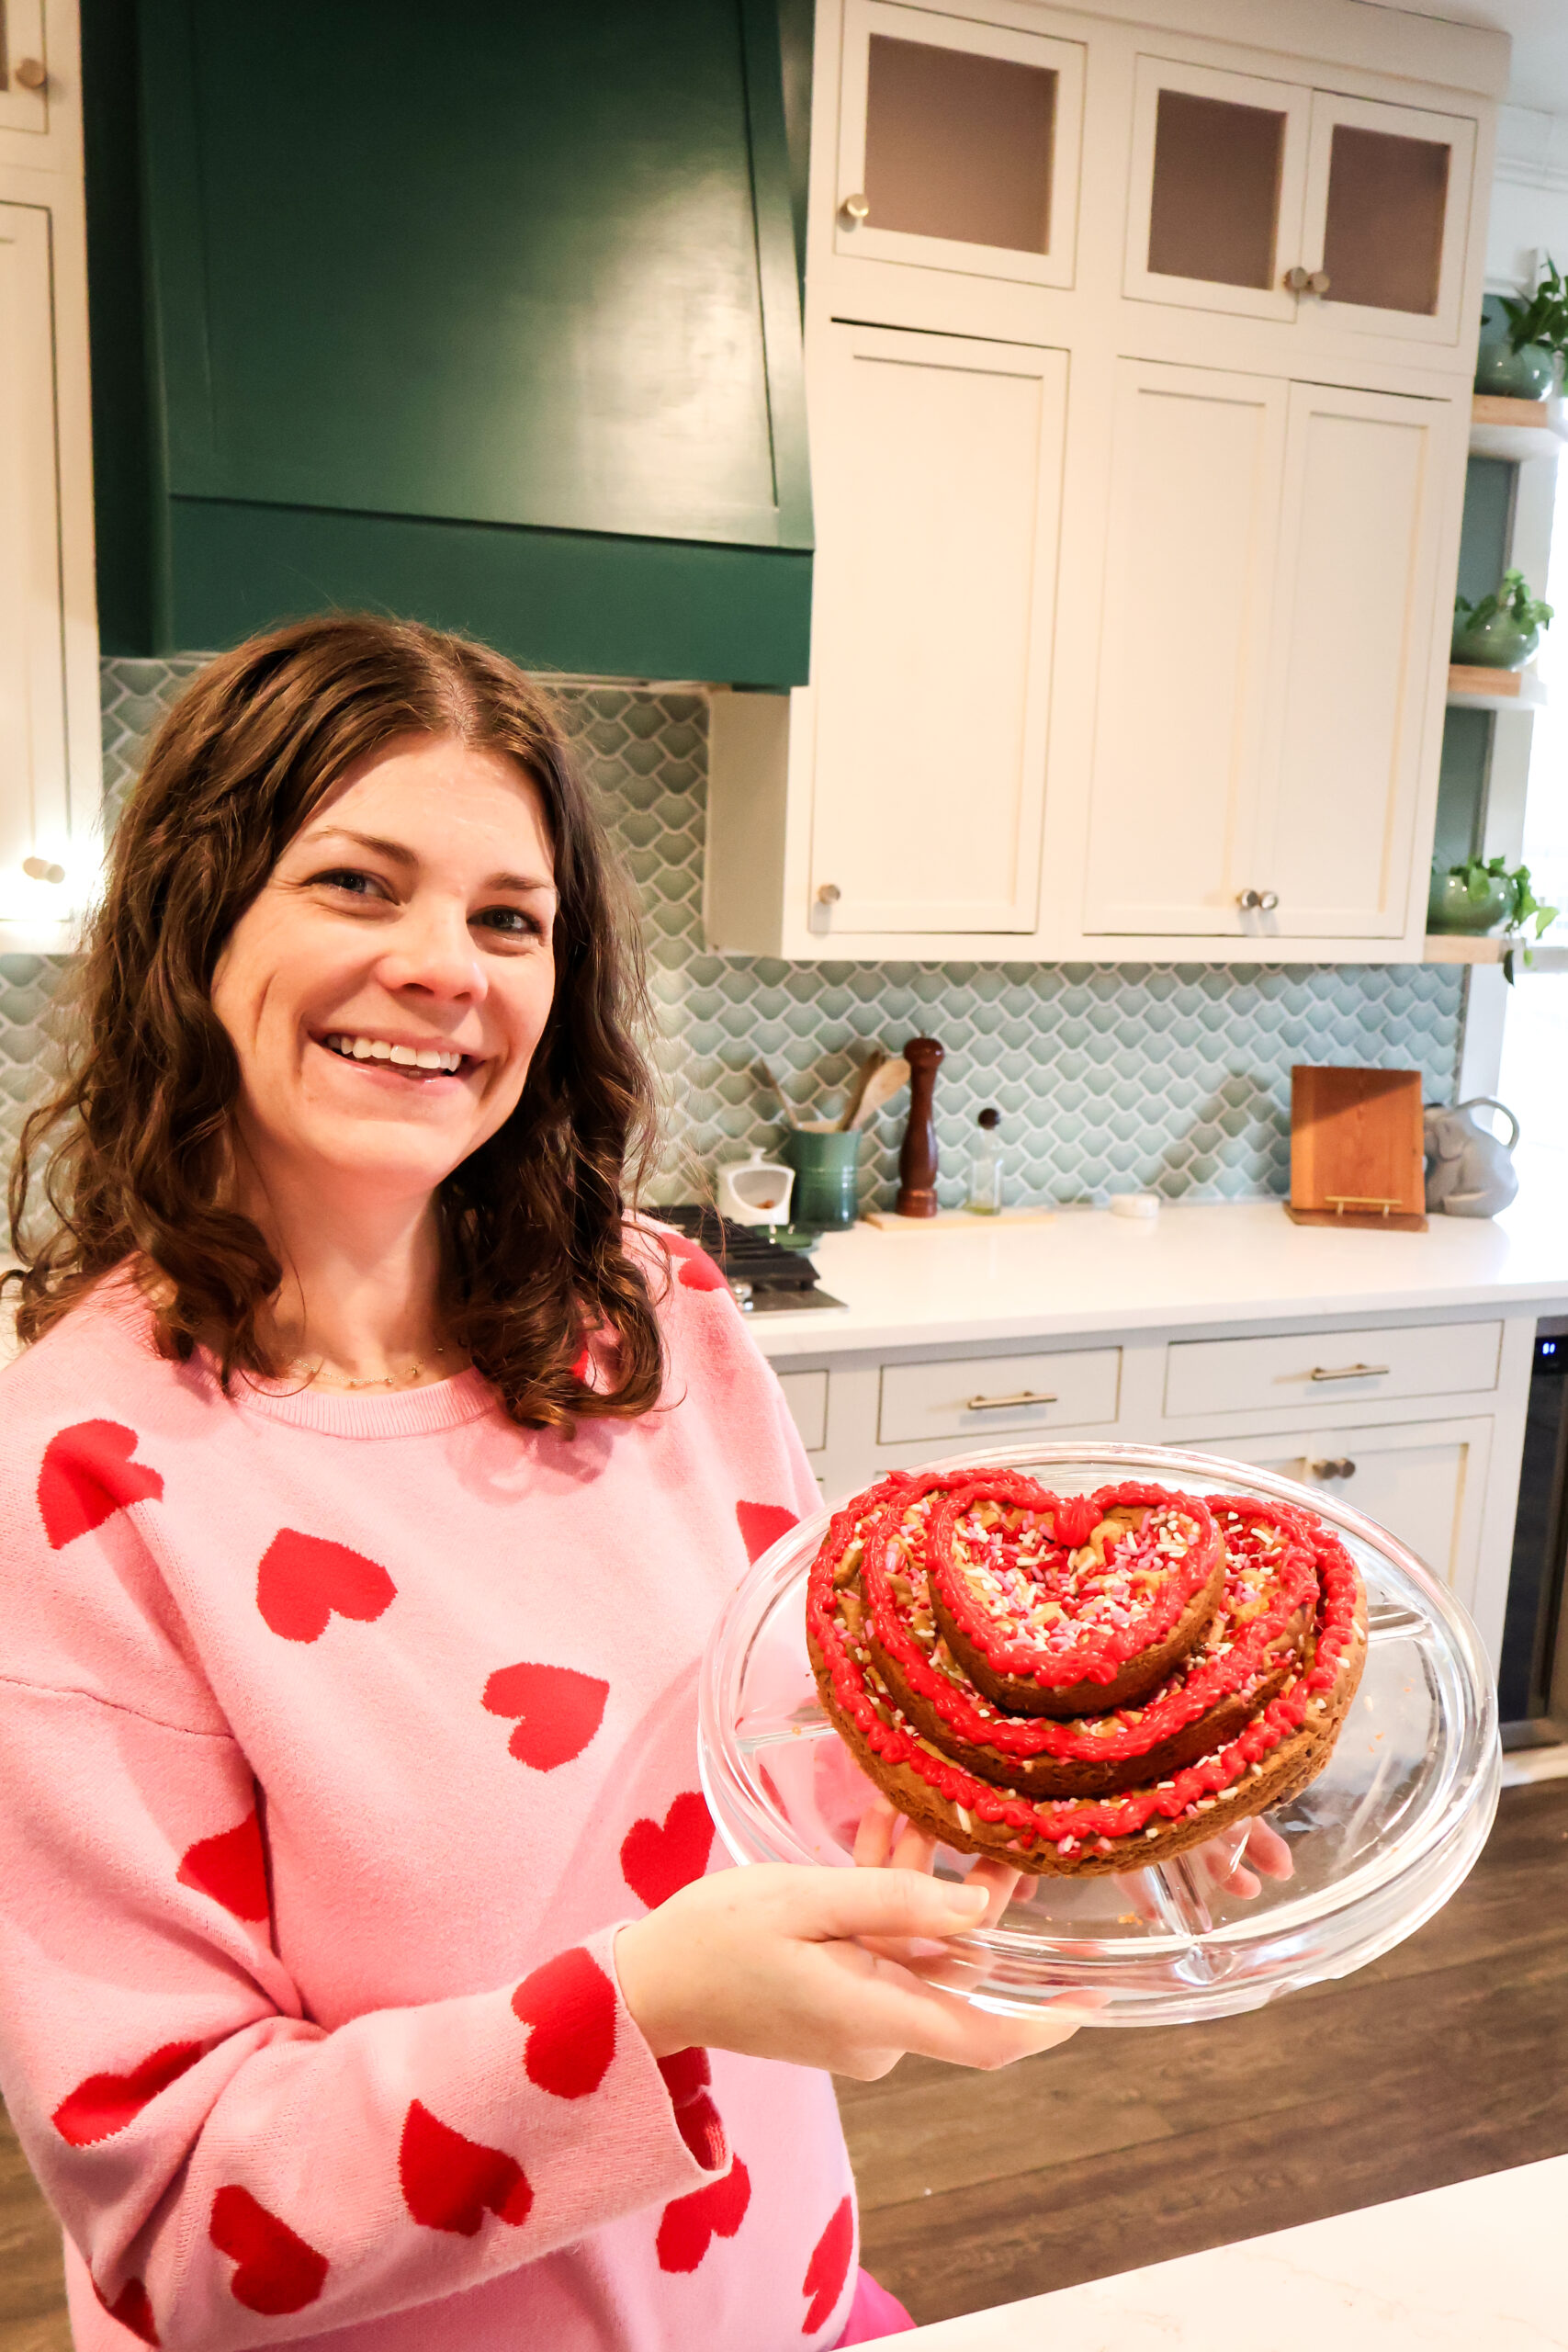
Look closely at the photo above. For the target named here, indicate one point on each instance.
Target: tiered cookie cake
(1085, 1683)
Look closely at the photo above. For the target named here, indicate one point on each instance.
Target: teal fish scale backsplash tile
(1171, 1077)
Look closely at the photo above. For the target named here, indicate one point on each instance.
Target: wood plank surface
(1447, 2058)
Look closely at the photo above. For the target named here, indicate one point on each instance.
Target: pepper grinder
(917, 1161)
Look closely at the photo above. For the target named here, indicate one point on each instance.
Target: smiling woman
(373, 1478)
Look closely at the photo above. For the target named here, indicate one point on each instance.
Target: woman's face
(386, 990)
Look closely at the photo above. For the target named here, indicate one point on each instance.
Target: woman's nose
(432, 950)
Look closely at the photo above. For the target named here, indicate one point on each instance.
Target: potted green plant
(1500, 632)
(1485, 895)
(1521, 363)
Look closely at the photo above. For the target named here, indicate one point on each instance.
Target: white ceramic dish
(1379, 1840)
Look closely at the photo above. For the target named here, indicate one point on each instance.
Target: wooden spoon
(880, 1087)
(858, 1085)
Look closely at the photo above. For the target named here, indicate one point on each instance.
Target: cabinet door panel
(1425, 1482)
(22, 42)
(936, 469)
(1350, 682)
(1194, 504)
(1387, 214)
(34, 806)
(1214, 195)
(963, 140)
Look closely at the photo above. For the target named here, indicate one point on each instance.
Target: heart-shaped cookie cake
(1081, 1684)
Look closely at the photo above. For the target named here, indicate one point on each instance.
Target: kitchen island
(1390, 1369)
(1476, 2264)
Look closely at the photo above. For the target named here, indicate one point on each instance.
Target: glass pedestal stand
(1379, 1840)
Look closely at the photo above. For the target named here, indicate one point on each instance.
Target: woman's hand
(781, 1962)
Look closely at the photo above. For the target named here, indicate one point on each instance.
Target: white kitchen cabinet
(1268, 661)
(50, 761)
(1425, 1481)
(24, 71)
(958, 144)
(1133, 563)
(1315, 211)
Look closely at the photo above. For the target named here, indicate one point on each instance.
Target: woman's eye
(350, 878)
(512, 922)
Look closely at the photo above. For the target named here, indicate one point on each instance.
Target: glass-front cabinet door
(1387, 210)
(1274, 202)
(959, 145)
(1214, 211)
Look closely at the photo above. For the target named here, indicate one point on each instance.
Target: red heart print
(697, 1269)
(657, 1862)
(571, 2005)
(131, 2308)
(761, 1524)
(687, 2075)
(105, 2104)
(562, 1710)
(450, 2183)
(87, 1475)
(828, 2267)
(231, 1867)
(276, 2271)
(688, 2226)
(302, 1579)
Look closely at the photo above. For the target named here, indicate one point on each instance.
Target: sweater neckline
(407, 1412)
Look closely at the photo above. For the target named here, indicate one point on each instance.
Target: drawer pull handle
(1000, 1404)
(1339, 1467)
(1351, 1372)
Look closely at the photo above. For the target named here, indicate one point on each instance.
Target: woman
(370, 1488)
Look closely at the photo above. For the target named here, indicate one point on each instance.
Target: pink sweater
(338, 1734)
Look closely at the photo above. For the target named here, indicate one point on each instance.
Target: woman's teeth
(376, 1049)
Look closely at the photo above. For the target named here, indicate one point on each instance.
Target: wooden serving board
(1357, 1154)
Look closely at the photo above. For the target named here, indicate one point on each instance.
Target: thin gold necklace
(385, 1380)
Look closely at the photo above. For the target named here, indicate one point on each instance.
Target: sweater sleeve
(232, 2173)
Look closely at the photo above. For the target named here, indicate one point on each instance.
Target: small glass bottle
(986, 1167)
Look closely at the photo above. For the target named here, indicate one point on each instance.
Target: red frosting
(1105, 1612)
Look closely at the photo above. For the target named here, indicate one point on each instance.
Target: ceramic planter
(1496, 643)
(1452, 908)
(1515, 375)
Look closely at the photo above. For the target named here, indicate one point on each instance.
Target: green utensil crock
(826, 1170)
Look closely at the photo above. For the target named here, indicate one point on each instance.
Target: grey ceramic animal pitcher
(1469, 1172)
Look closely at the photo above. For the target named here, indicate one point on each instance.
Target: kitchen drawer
(805, 1394)
(1331, 1368)
(982, 1396)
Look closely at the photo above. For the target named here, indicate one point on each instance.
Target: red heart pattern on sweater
(562, 1710)
(131, 2308)
(687, 2077)
(658, 1860)
(230, 1868)
(304, 1579)
(275, 2271)
(688, 2226)
(761, 1524)
(828, 2267)
(697, 1270)
(571, 2005)
(87, 1475)
(103, 2104)
(451, 2183)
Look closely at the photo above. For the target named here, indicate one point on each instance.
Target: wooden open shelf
(1466, 947)
(1470, 687)
(1515, 429)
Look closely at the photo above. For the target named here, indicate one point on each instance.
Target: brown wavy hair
(130, 1153)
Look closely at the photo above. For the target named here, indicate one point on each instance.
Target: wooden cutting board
(1357, 1153)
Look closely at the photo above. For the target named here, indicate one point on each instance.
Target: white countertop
(1231, 1263)
(1477, 2267)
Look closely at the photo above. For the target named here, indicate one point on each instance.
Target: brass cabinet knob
(829, 894)
(31, 73)
(853, 211)
(1338, 1466)
(1258, 901)
(42, 869)
(1297, 280)
(1318, 282)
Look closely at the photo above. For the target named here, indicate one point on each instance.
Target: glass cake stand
(1380, 1839)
